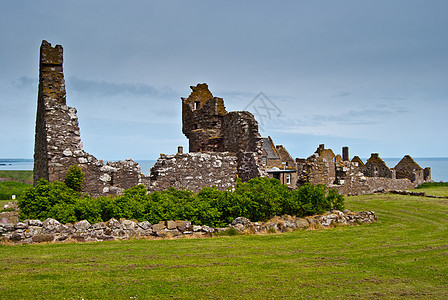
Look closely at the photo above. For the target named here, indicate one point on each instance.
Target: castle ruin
(222, 147)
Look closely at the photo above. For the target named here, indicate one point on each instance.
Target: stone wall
(50, 230)
(193, 171)
(376, 167)
(408, 168)
(349, 177)
(58, 140)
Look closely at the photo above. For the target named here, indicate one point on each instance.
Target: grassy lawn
(405, 255)
(23, 176)
(435, 191)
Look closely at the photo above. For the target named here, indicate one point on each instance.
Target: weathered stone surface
(99, 226)
(82, 226)
(194, 171)
(33, 222)
(113, 224)
(241, 220)
(21, 225)
(145, 225)
(51, 226)
(183, 226)
(159, 226)
(302, 223)
(43, 238)
(171, 225)
(128, 224)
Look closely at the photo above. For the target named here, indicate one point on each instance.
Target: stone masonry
(193, 171)
(58, 141)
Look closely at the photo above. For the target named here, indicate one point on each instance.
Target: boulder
(32, 231)
(241, 220)
(113, 224)
(50, 226)
(183, 226)
(33, 222)
(21, 225)
(145, 225)
(99, 226)
(16, 237)
(159, 226)
(171, 225)
(82, 226)
(302, 223)
(43, 238)
(128, 224)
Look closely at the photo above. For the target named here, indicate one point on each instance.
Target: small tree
(74, 178)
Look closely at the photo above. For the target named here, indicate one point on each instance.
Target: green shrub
(48, 200)
(258, 200)
(74, 178)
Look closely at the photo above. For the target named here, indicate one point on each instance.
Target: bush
(258, 200)
(48, 200)
(74, 178)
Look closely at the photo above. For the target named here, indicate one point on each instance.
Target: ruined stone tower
(210, 128)
(202, 116)
(58, 141)
(57, 131)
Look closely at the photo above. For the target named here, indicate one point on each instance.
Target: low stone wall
(362, 185)
(50, 230)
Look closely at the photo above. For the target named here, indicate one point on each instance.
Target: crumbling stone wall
(319, 168)
(376, 167)
(194, 171)
(408, 168)
(58, 141)
(350, 177)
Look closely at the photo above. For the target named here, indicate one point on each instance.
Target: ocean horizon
(438, 165)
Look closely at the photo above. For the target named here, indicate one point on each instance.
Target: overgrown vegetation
(74, 178)
(9, 188)
(402, 256)
(258, 200)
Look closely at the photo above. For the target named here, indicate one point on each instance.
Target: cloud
(25, 83)
(108, 89)
(343, 94)
(394, 98)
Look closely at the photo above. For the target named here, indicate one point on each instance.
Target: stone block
(43, 238)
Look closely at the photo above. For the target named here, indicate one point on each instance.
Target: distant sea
(439, 165)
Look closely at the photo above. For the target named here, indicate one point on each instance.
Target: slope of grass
(22, 176)
(434, 188)
(405, 255)
(9, 188)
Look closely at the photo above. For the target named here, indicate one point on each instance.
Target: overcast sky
(371, 75)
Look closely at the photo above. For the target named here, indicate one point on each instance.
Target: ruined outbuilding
(278, 163)
(356, 178)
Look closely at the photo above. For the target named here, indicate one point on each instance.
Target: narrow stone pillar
(180, 150)
(345, 154)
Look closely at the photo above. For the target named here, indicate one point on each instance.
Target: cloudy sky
(371, 75)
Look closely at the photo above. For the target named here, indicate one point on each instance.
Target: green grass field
(22, 176)
(405, 255)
